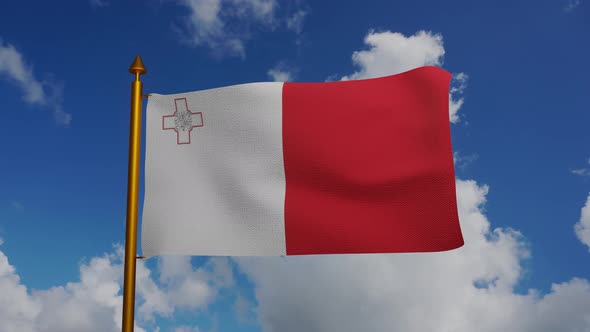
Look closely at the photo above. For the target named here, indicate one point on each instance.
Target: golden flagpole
(137, 68)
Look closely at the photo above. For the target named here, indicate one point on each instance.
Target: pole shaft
(132, 206)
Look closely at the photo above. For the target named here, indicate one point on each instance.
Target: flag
(273, 169)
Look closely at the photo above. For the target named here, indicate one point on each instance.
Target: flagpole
(137, 68)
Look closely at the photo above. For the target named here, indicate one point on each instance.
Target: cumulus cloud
(467, 289)
(94, 302)
(17, 309)
(391, 53)
(41, 93)
(91, 304)
(582, 228)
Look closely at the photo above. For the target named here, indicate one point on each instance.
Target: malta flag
(273, 169)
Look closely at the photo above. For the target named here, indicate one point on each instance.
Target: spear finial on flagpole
(138, 69)
(137, 66)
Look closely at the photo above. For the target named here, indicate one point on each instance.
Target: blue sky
(520, 135)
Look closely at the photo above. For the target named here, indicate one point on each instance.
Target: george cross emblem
(182, 121)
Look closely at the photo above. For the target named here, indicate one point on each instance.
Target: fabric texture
(269, 169)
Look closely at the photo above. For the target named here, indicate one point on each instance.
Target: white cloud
(208, 23)
(391, 53)
(155, 299)
(94, 302)
(458, 85)
(582, 228)
(282, 72)
(190, 288)
(17, 309)
(225, 26)
(12, 65)
(278, 75)
(467, 289)
(45, 94)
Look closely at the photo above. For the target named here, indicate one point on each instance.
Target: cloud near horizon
(94, 302)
